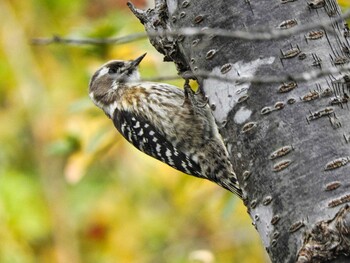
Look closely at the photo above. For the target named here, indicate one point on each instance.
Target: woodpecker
(174, 126)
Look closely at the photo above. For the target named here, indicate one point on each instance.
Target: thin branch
(302, 77)
(191, 31)
(89, 41)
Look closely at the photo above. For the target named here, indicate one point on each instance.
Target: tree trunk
(289, 141)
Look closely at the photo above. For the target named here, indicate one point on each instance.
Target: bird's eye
(112, 70)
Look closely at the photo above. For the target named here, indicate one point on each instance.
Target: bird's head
(105, 81)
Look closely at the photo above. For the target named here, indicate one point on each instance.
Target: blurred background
(72, 190)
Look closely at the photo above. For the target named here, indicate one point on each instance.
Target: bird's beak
(137, 61)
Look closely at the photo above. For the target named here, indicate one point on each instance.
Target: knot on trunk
(327, 240)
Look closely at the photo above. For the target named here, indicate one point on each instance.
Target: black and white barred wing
(145, 137)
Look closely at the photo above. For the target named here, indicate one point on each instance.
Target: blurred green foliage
(344, 3)
(71, 189)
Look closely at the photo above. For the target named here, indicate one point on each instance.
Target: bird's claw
(197, 99)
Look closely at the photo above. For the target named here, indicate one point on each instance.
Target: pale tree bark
(289, 141)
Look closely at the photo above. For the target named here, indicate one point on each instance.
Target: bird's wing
(145, 137)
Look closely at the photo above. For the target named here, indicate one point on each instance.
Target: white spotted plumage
(161, 121)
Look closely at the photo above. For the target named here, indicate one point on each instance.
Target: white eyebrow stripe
(103, 71)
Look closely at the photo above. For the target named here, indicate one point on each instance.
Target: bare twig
(300, 77)
(89, 41)
(191, 31)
